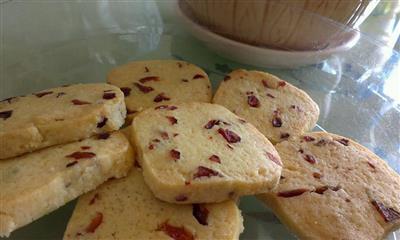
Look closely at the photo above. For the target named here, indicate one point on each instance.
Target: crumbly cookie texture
(158, 82)
(201, 152)
(334, 188)
(126, 209)
(58, 115)
(275, 107)
(35, 184)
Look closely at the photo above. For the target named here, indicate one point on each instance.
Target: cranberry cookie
(276, 108)
(201, 152)
(334, 188)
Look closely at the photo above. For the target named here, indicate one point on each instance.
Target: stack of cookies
(178, 168)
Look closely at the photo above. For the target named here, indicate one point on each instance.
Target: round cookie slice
(276, 108)
(158, 82)
(334, 188)
(201, 153)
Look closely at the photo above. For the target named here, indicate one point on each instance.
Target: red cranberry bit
(200, 212)
(175, 154)
(317, 175)
(343, 141)
(143, 88)
(270, 95)
(81, 155)
(146, 69)
(185, 80)
(94, 224)
(71, 164)
(277, 122)
(150, 78)
(215, 158)
(187, 183)
(126, 91)
(226, 78)
(181, 198)
(308, 138)
(128, 111)
(41, 94)
(253, 101)
(108, 96)
(321, 190)
(205, 172)
(309, 158)
(229, 136)
(371, 165)
(265, 83)
(164, 135)
(197, 76)
(273, 158)
(172, 120)
(211, 124)
(151, 146)
(389, 214)
(60, 94)
(292, 193)
(285, 135)
(176, 233)
(85, 147)
(166, 107)
(103, 136)
(137, 164)
(93, 200)
(102, 123)
(281, 83)
(6, 114)
(79, 102)
(161, 97)
(321, 142)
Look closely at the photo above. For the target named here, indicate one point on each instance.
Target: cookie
(37, 183)
(58, 115)
(126, 209)
(201, 153)
(275, 107)
(158, 82)
(334, 188)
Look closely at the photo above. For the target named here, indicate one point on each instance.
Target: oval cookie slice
(126, 209)
(37, 183)
(58, 115)
(333, 188)
(159, 82)
(201, 152)
(276, 108)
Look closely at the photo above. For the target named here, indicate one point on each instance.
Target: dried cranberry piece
(128, 111)
(94, 198)
(292, 193)
(149, 78)
(143, 88)
(137, 164)
(321, 190)
(321, 142)
(151, 146)
(79, 102)
(181, 198)
(229, 136)
(102, 123)
(389, 214)
(71, 164)
(308, 138)
(176, 233)
(211, 124)
(85, 147)
(200, 212)
(94, 224)
(285, 135)
(172, 120)
(164, 135)
(197, 76)
(166, 107)
(175, 154)
(253, 101)
(6, 114)
(226, 78)
(343, 141)
(41, 94)
(273, 158)
(126, 91)
(81, 155)
(103, 136)
(317, 175)
(277, 122)
(215, 158)
(281, 83)
(108, 95)
(265, 83)
(60, 94)
(309, 158)
(270, 95)
(161, 97)
(205, 172)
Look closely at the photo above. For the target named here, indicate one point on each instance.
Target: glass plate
(358, 92)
